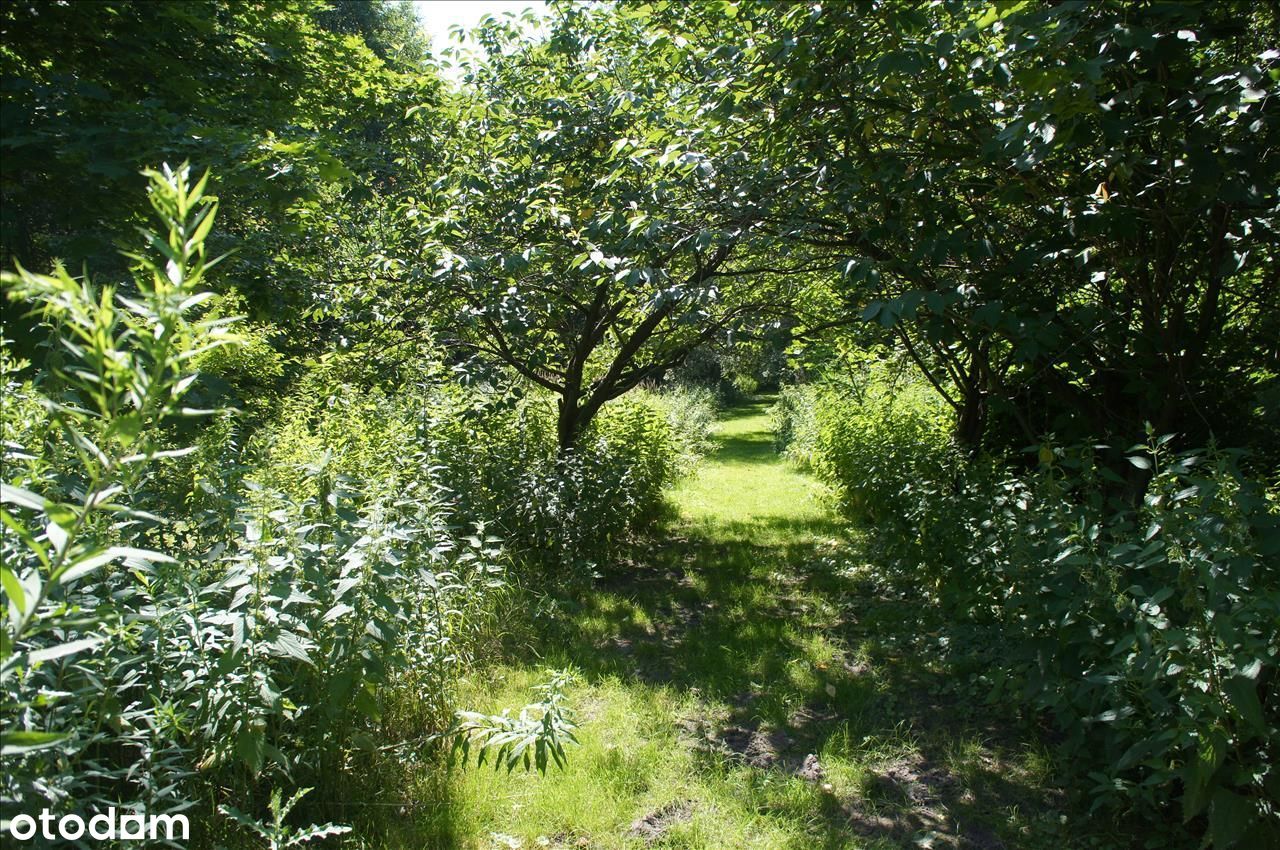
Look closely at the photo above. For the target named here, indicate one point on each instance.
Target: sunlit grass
(746, 490)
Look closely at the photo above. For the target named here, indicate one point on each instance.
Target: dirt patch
(873, 825)
(911, 796)
(977, 837)
(811, 770)
(653, 826)
(754, 746)
(653, 675)
(622, 645)
(857, 668)
(917, 780)
(749, 743)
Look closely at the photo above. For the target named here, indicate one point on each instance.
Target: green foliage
(298, 109)
(794, 422)
(592, 244)
(691, 413)
(876, 437)
(277, 834)
(1066, 211)
(587, 501)
(73, 579)
(293, 596)
(563, 513)
(255, 559)
(1147, 633)
(533, 738)
(329, 568)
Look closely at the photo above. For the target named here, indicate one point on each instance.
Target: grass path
(743, 683)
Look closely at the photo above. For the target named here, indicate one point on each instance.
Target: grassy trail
(744, 684)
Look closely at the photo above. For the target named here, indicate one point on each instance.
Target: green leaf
(337, 611)
(289, 645)
(81, 567)
(62, 650)
(25, 536)
(1243, 692)
(133, 556)
(24, 498)
(19, 742)
(251, 747)
(13, 588)
(1230, 817)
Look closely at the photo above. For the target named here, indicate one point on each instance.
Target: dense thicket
(261, 512)
(1146, 635)
(298, 110)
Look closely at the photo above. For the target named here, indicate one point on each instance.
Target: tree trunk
(573, 419)
(971, 415)
(971, 420)
(567, 424)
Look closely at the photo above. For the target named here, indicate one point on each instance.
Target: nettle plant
(1146, 631)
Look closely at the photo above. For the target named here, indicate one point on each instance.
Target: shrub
(188, 610)
(1149, 634)
(260, 647)
(577, 508)
(878, 440)
(691, 415)
(795, 423)
(565, 515)
(81, 718)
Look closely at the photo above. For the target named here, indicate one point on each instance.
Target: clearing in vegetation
(746, 682)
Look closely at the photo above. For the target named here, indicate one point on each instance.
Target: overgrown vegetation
(307, 487)
(312, 602)
(1147, 632)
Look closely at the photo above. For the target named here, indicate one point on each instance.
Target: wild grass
(751, 612)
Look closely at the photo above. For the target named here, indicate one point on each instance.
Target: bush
(1149, 634)
(571, 512)
(564, 515)
(259, 648)
(877, 440)
(691, 415)
(795, 422)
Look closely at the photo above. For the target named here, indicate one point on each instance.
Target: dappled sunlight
(744, 484)
(744, 683)
(701, 424)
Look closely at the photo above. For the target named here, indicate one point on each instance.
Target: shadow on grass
(747, 448)
(757, 406)
(776, 638)
(788, 654)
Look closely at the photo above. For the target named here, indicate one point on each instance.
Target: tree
(588, 234)
(293, 116)
(1065, 212)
